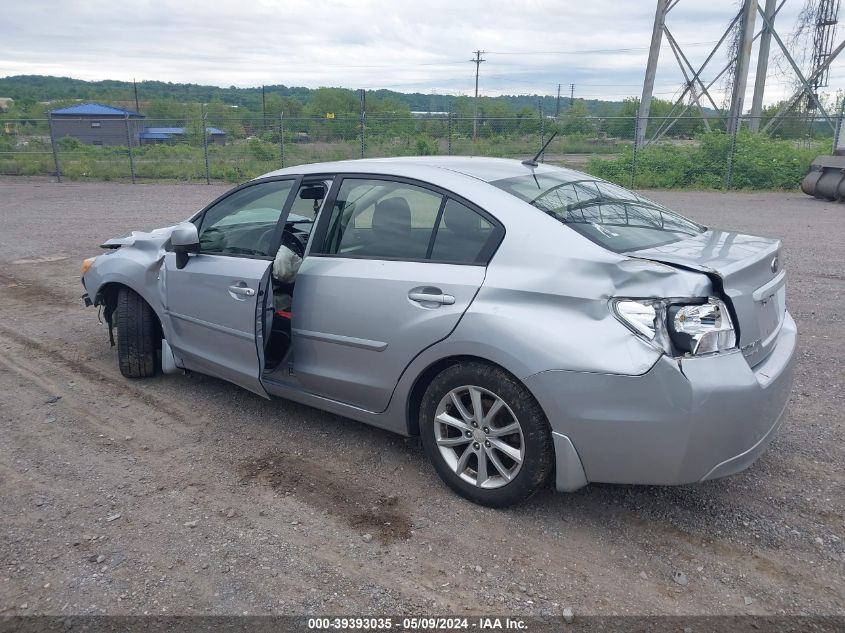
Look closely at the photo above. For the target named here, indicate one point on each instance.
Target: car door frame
(320, 230)
(317, 242)
(259, 302)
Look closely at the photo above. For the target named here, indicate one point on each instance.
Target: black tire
(536, 438)
(138, 335)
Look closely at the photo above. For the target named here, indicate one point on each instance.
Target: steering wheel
(294, 242)
(263, 243)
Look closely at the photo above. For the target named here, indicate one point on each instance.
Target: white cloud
(407, 45)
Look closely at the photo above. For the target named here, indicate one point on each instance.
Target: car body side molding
(351, 341)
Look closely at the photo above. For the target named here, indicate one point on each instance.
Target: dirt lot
(184, 494)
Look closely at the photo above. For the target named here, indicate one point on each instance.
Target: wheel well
(107, 297)
(424, 380)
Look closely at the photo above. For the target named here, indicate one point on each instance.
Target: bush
(426, 146)
(760, 162)
(261, 150)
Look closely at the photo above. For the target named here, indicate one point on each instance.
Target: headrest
(459, 219)
(392, 214)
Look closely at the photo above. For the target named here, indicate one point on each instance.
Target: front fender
(138, 270)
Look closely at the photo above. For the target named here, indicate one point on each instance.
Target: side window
(461, 234)
(380, 218)
(244, 223)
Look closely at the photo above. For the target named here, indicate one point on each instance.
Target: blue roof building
(95, 110)
(153, 135)
(97, 124)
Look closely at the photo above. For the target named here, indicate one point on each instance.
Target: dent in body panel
(559, 316)
(137, 264)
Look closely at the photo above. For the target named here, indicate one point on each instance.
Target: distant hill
(39, 88)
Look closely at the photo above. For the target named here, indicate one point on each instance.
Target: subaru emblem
(774, 265)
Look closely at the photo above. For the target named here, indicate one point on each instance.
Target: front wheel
(138, 335)
(485, 434)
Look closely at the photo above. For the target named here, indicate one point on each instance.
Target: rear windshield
(618, 219)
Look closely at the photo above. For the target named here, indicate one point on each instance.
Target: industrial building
(97, 124)
(170, 135)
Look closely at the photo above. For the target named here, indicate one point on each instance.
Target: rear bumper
(679, 423)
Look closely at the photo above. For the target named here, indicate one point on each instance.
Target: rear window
(618, 219)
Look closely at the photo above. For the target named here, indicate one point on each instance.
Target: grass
(759, 162)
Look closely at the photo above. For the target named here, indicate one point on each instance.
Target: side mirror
(184, 240)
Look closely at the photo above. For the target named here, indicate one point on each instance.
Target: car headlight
(678, 328)
(86, 264)
(701, 329)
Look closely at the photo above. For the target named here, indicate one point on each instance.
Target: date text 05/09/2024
(479, 623)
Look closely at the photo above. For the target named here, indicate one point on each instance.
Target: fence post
(205, 147)
(729, 171)
(55, 151)
(449, 131)
(634, 150)
(129, 148)
(542, 130)
(838, 129)
(282, 138)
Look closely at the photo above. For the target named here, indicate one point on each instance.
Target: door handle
(425, 297)
(242, 290)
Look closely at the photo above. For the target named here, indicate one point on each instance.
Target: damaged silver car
(528, 323)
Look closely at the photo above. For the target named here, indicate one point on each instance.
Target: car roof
(478, 167)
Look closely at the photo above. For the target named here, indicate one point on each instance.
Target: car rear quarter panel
(545, 305)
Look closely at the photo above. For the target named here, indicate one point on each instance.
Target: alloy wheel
(479, 436)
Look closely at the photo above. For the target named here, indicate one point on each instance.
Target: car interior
(298, 227)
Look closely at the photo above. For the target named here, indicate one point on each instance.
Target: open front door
(214, 304)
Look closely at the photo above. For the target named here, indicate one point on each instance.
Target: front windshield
(618, 219)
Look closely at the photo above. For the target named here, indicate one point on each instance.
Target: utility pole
(477, 61)
(743, 60)
(135, 86)
(263, 105)
(651, 70)
(571, 95)
(557, 103)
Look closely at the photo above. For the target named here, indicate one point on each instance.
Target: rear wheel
(138, 335)
(485, 434)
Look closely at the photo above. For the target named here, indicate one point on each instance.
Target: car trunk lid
(750, 273)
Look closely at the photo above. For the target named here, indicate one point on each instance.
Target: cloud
(532, 45)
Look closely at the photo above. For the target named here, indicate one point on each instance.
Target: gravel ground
(184, 494)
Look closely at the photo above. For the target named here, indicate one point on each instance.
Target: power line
(589, 51)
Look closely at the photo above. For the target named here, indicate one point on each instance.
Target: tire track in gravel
(28, 290)
(308, 483)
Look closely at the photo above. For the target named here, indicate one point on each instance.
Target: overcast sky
(420, 45)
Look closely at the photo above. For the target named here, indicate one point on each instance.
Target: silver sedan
(528, 323)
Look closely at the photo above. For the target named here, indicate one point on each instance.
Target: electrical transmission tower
(827, 16)
(696, 93)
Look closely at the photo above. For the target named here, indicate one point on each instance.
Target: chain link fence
(686, 152)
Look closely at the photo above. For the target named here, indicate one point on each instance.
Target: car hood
(750, 273)
(155, 238)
